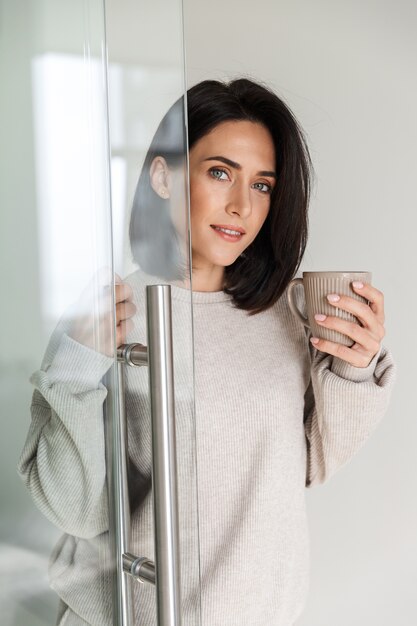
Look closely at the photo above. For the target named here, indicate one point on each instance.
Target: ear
(160, 177)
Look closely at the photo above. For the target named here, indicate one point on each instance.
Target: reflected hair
(260, 275)
(154, 241)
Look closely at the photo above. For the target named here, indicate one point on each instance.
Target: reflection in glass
(92, 266)
(158, 224)
(151, 246)
(71, 174)
(56, 238)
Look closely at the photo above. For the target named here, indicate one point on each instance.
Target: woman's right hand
(92, 317)
(125, 309)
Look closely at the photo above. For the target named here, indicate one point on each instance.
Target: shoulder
(138, 279)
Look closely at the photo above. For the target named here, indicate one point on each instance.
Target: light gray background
(347, 68)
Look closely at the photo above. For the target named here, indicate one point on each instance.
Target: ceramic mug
(317, 285)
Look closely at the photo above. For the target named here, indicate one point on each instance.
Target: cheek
(178, 202)
(261, 220)
(194, 196)
(201, 202)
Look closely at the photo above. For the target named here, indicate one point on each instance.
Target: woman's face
(232, 174)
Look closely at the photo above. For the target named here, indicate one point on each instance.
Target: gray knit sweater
(272, 416)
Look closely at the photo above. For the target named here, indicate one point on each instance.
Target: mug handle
(291, 301)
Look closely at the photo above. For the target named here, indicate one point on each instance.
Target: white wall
(348, 71)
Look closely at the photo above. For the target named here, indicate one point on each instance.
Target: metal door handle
(166, 573)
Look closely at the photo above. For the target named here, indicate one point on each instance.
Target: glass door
(94, 211)
(148, 155)
(57, 309)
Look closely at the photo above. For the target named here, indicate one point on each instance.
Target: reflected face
(232, 174)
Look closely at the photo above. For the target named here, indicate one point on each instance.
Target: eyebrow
(237, 166)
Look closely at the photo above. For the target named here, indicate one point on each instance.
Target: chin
(231, 262)
(225, 261)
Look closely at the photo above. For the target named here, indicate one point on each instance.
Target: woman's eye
(217, 173)
(264, 187)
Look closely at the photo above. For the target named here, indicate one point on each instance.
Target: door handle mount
(133, 354)
(140, 568)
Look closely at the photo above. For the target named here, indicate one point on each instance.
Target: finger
(123, 291)
(360, 335)
(360, 310)
(122, 331)
(373, 295)
(123, 294)
(124, 310)
(356, 358)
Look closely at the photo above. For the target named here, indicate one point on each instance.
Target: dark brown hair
(261, 274)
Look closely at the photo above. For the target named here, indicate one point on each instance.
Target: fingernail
(320, 317)
(357, 284)
(333, 297)
(314, 340)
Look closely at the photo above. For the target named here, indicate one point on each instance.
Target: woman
(275, 410)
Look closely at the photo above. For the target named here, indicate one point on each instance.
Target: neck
(208, 279)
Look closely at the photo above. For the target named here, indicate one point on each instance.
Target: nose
(239, 201)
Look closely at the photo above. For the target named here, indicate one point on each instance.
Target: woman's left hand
(367, 337)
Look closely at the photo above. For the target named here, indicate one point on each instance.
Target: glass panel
(58, 312)
(151, 246)
(58, 324)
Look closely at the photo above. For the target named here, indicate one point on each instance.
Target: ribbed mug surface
(317, 285)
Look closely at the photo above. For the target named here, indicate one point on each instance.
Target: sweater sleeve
(63, 459)
(343, 405)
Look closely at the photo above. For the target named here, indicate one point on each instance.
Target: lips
(238, 229)
(228, 233)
